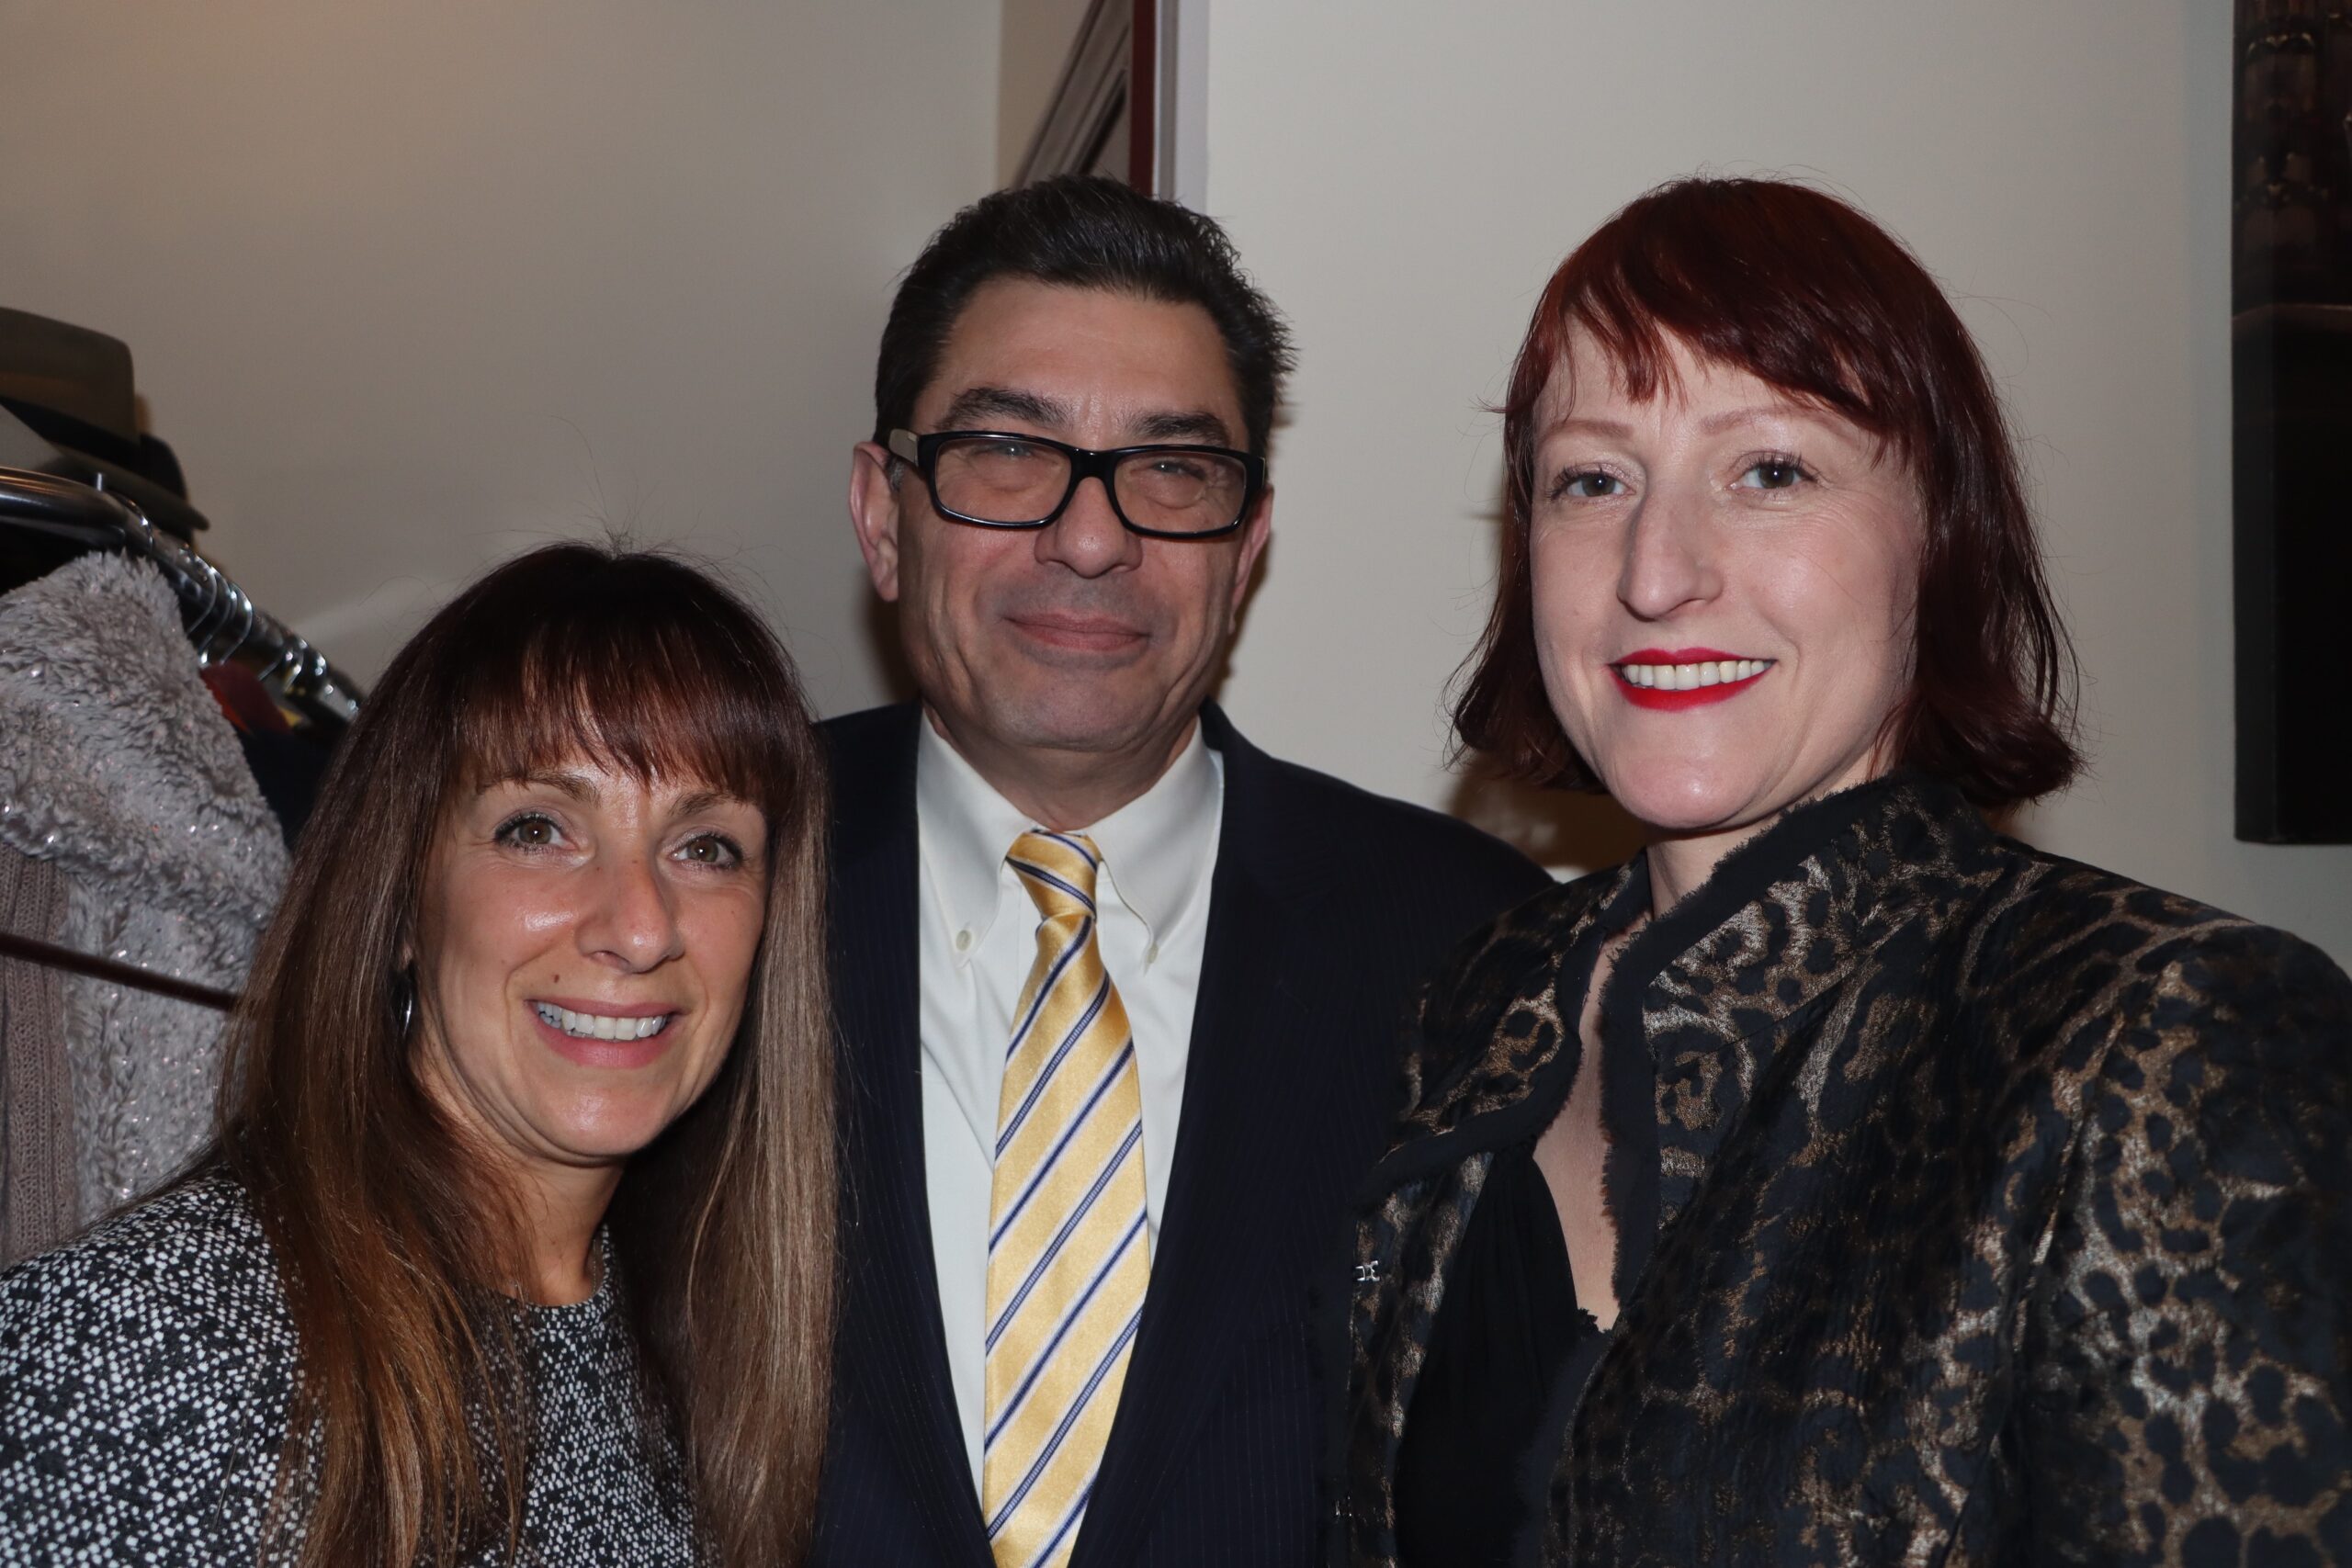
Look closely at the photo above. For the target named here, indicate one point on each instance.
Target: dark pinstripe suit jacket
(1327, 908)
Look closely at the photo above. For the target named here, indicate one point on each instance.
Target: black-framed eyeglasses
(997, 480)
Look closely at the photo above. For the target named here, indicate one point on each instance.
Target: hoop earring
(405, 1000)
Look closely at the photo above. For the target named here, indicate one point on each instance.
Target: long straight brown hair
(392, 1232)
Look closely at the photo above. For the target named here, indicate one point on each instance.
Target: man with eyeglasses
(1120, 995)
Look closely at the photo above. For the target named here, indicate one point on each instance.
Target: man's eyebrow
(1191, 424)
(974, 406)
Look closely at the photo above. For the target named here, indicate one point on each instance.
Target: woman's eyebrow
(579, 786)
(1585, 424)
(1758, 414)
(704, 799)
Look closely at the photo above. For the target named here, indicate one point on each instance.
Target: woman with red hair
(1838, 1180)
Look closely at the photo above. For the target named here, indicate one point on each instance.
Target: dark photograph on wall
(2292, 373)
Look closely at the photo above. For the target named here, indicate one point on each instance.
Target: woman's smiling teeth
(601, 1026)
(1691, 677)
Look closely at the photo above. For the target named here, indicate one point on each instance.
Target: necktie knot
(1058, 871)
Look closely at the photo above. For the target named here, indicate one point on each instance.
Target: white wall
(1402, 177)
(414, 283)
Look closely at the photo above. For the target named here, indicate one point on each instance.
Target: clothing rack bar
(48, 955)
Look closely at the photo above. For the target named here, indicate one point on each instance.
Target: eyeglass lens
(1172, 491)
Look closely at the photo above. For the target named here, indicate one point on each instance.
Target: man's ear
(874, 514)
(1254, 534)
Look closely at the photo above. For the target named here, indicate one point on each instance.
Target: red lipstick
(1675, 700)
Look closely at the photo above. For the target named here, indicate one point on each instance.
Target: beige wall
(413, 284)
(1403, 177)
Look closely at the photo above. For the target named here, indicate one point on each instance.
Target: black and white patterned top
(145, 1375)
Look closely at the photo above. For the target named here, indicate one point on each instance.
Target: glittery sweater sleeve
(145, 1372)
(2188, 1369)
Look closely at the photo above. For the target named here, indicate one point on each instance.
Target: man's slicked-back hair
(1082, 231)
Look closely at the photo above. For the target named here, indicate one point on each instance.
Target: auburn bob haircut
(1807, 294)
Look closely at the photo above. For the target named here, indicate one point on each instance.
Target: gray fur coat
(119, 770)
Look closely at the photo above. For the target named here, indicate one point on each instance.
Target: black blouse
(1509, 1325)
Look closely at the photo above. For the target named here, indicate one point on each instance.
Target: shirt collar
(1155, 848)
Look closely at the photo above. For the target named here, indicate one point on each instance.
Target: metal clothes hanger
(221, 618)
(76, 508)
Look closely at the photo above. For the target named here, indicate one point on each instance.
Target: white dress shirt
(978, 939)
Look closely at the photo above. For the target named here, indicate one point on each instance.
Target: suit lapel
(1220, 1236)
(894, 1348)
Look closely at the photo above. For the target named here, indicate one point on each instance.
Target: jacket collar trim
(1815, 891)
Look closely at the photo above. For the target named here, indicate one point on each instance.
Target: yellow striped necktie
(1069, 1257)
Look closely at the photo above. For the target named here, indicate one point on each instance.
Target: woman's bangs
(1774, 328)
(1784, 282)
(651, 700)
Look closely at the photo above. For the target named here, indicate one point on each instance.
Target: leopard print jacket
(1974, 1207)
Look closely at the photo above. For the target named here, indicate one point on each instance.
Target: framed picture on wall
(1117, 106)
(2291, 391)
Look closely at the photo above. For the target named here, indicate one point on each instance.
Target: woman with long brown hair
(515, 1242)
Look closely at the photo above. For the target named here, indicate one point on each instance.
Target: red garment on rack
(239, 691)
